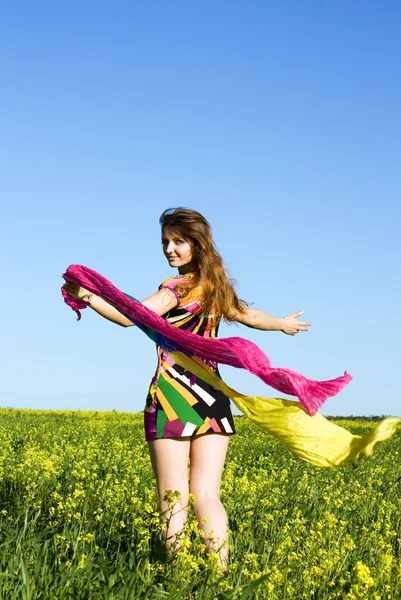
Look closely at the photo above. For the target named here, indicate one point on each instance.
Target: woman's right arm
(161, 302)
(258, 319)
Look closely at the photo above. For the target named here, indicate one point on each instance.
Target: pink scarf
(235, 351)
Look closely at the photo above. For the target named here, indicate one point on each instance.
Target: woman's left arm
(258, 319)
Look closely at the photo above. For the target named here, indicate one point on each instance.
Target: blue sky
(279, 121)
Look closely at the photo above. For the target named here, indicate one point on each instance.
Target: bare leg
(169, 458)
(208, 454)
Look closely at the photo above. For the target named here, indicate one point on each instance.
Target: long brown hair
(218, 289)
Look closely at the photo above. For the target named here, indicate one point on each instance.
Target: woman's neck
(186, 269)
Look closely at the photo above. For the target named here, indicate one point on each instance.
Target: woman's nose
(170, 248)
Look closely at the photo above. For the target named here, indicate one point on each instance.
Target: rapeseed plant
(78, 495)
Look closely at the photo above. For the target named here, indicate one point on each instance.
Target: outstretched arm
(258, 319)
(161, 302)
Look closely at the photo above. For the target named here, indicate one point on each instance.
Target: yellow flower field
(79, 517)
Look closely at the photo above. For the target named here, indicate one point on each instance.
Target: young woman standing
(185, 417)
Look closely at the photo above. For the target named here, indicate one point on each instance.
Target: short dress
(179, 404)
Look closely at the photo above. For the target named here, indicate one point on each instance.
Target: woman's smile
(181, 248)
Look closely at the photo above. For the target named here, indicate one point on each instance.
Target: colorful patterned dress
(178, 404)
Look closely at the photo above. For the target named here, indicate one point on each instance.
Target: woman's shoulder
(184, 290)
(177, 281)
(181, 285)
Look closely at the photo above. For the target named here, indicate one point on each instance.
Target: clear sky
(279, 121)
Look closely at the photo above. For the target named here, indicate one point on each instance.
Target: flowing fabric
(234, 351)
(298, 426)
(314, 439)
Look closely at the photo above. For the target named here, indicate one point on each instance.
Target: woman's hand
(291, 326)
(75, 290)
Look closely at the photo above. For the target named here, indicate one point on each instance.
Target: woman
(185, 417)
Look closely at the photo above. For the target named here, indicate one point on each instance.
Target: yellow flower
(363, 574)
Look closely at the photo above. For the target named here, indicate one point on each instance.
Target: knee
(204, 498)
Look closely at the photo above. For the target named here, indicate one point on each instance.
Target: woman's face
(177, 251)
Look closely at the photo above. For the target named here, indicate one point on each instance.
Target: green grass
(79, 517)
